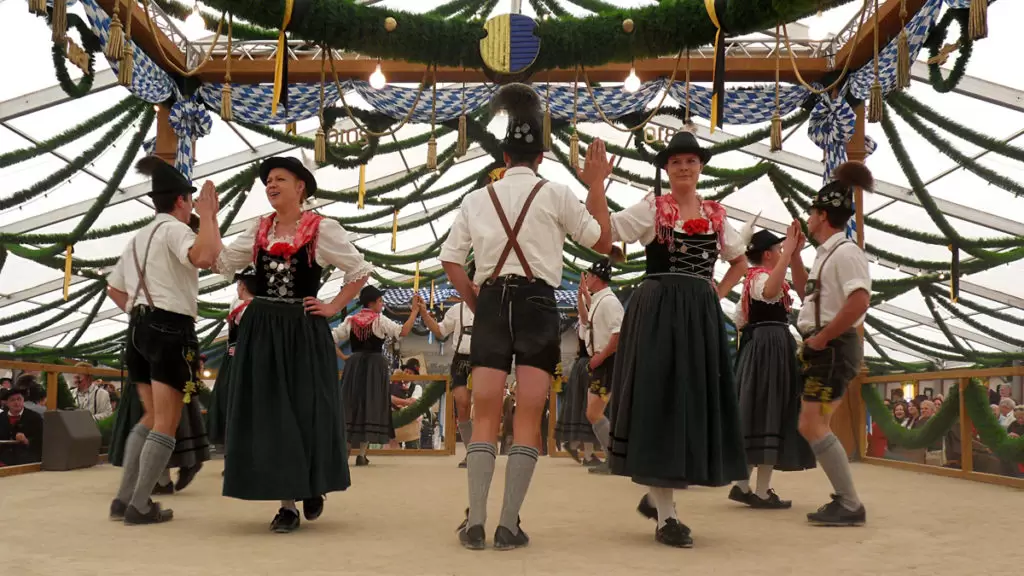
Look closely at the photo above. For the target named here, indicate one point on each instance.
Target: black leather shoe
(286, 521)
(835, 514)
(312, 508)
(471, 537)
(155, 515)
(504, 539)
(117, 509)
(186, 476)
(772, 502)
(646, 509)
(738, 495)
(163, 489)
(674, 533)
(362, 461)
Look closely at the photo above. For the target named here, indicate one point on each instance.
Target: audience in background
(89, 396)
(21, 431)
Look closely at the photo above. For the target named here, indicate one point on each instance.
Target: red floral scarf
(748, 283)
(307, 232)
(234, 314)
(666, 214)
(362, 323)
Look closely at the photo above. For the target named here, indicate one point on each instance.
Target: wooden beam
(889, 26)
(755, 69)
(152, 41)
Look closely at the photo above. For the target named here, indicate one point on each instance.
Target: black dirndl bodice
(372, 345)
(690, 255)
(760, 311)
(581, 349)
(294, 277)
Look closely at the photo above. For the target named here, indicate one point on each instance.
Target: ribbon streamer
(954, 274)
(67, 272)
(281, 63)
(718, 73)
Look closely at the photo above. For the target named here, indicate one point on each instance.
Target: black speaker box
(71, 440)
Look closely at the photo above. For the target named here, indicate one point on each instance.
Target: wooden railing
(963, 378)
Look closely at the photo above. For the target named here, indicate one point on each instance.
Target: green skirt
(286, 434)
(217, 411)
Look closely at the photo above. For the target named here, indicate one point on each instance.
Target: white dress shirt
(846, 272)
(636, 224)
(95, 400)
(332, 247)
(554, 213)
(605, 315)
(382, 327)
(172, 280)
(455, 319)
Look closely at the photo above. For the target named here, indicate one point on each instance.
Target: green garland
(932, 431)
(992, 434)
(89, 319)
(239, 30)
(937, 38)
(666, 28)
(91, 44)
(72, 306)
(432, 392)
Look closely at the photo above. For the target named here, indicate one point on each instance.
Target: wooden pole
(166, 139)
(51, 390)
(966, 431)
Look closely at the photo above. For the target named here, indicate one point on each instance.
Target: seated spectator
(1016, 428)
(1005, 415)
(21, 431)
(89, 396)
(5, 384)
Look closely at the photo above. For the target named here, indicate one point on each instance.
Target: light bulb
(377, 79)
(195, 19)
(632, 82)
(206, 373)
(817, 29)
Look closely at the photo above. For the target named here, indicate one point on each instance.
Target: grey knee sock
(603, 431)
(152, 461)
(132, 450)
(745, 484)
(518, 473)
(480, 471)
(764, 479)
(165, 477)
(466, 431)
(833, 460)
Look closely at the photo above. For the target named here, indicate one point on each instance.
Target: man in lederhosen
(516, 317)
(157, 283)
(836, 296)
(604, 314)
(458, 320)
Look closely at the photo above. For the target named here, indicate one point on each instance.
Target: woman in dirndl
(366, 378)
(769, 379)
(217, 412)
(675, 418)
(286, 431)
(572, 429)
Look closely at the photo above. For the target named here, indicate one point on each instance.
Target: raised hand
(598, 166)
(208, 204)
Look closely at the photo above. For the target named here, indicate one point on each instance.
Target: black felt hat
(293, 165)
(369, 294)
(412, 364)
(5, 394)
(763, 240)
(682, 142)
(164, 178)
(838, 194)
(525, 131)
(246, 273)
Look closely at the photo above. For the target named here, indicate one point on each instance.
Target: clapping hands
(598, 166)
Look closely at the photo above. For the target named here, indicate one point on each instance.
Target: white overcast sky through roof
(28, 68)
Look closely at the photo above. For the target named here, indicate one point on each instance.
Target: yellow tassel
(362, 186)
(126, 67)
(776, 132)
(574, 151)
(394, 231)
(416, 279)
(978, 20)
(463, 142)
(903, 61)
(225, 103)
(875, 109)
(625, 256)
(67, 272)
(59, 23)
(547, 128)
(291, 128)
(37, 6)
(432, 293)
(320, 147)
(115, 40)
(432, 153)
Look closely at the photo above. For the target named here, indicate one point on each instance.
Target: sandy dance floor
(399, 519)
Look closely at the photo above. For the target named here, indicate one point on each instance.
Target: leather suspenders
(513, 232)
(141, 269)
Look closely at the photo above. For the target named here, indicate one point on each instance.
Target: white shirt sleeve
(342, 331)
(447, 325)
(613, 318)
(385, 327)
(180, 239)
(732, 243)
(116, 277)
(238, 254)
(576, 221)
(456, 247)
(333, 247)
(757, 289)
(851, 269)
(635, 223)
